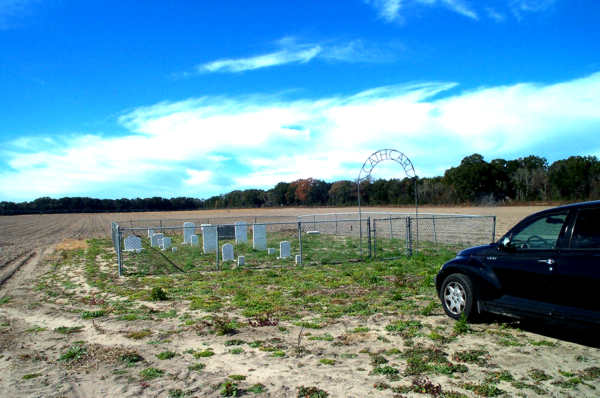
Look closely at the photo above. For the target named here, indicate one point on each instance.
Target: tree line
(474, 182)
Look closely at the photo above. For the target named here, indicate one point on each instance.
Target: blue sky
(186, 98)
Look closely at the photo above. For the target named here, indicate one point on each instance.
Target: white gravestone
(174, 249)
(241, 232)
(194, 240)
(133, 243)
(166, 243)
(189, 228)
(150, 233)
(259, 237)
(298, 259)
(284, 249)
(270, 250)
(210, 241)
(156, 240)
(241, 261)
(227, 252)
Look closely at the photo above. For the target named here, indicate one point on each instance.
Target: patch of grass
(406, 329)
(520, 385)
(139, 334)
(278, 354)
(234, 342)
(309, 325)
(498, 376)
(327, 361)
(131, 358)
(421, 360)
(203, 354)
(485, 390)
(176, 393)
(257, 388)
(388, 371)
(5, 300)
(158, 294)
(166, 355)
(545, 343)
(237, 377)
(92, 314)
(591, 373)
(479, 357)
(151, 373)
(538, 375)
(36, 329)
(197, 367)
(30, 376)
(324, 337)
(236, 351)
(68, 329)
(360, 329)
(74, 353)
(230, 389)
(428, 309)
(311, 392)
(461, 326)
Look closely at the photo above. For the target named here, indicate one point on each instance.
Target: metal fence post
(369, 236)
(408, 236)
(161, 229)
(118, 244)
(374, 238)
(300, 239)
(217, 251)
(336, 224)
(314, 223)
(391, 229)
(494, 230)
(434, 233)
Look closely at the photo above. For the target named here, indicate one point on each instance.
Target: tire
(458, 297)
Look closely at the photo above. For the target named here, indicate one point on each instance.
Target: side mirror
(505, 244)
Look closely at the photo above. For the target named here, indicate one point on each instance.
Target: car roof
(592, 203)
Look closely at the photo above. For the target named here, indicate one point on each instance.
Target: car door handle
(548, 261)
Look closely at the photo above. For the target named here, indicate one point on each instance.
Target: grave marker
(156, 240)
(189, 229)
(241, 261)
(227, 252)
(284, 249)
(166, 243)
(210, 240)
(270, 250)
(241, 232)
(259, 237)
(194, 240)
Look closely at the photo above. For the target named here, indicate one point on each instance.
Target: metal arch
(386, 154)
(373, 160)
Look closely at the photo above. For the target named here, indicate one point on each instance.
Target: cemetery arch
(367, 168)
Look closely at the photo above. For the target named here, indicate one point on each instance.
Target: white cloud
(395, 10)
(290, 51)
(201, 147)
(390, 10)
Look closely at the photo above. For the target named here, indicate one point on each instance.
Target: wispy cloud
(391, 10)
(290, 51)
(394, 10)
(11, 11)
(211, 145)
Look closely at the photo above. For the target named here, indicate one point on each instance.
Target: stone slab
(284, 249)
(241, 232)
(227, 252)
(210, 239)
(259, 237)
(132, 243)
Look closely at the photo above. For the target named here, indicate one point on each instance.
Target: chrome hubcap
(455, 298)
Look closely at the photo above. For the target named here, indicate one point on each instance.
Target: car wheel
(457, 295)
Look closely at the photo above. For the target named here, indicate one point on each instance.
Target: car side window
(586, 234)
(541, 233)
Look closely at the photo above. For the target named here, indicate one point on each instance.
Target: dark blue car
(547, 266)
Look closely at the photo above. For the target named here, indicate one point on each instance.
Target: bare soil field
(69, 327)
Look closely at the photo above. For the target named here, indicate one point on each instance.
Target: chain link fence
(311, 239)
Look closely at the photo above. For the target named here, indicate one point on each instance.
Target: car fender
(484, 280)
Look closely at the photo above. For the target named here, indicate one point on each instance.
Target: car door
(577, 275)
(525, 267)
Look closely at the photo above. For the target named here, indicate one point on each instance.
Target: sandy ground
(30, 347)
